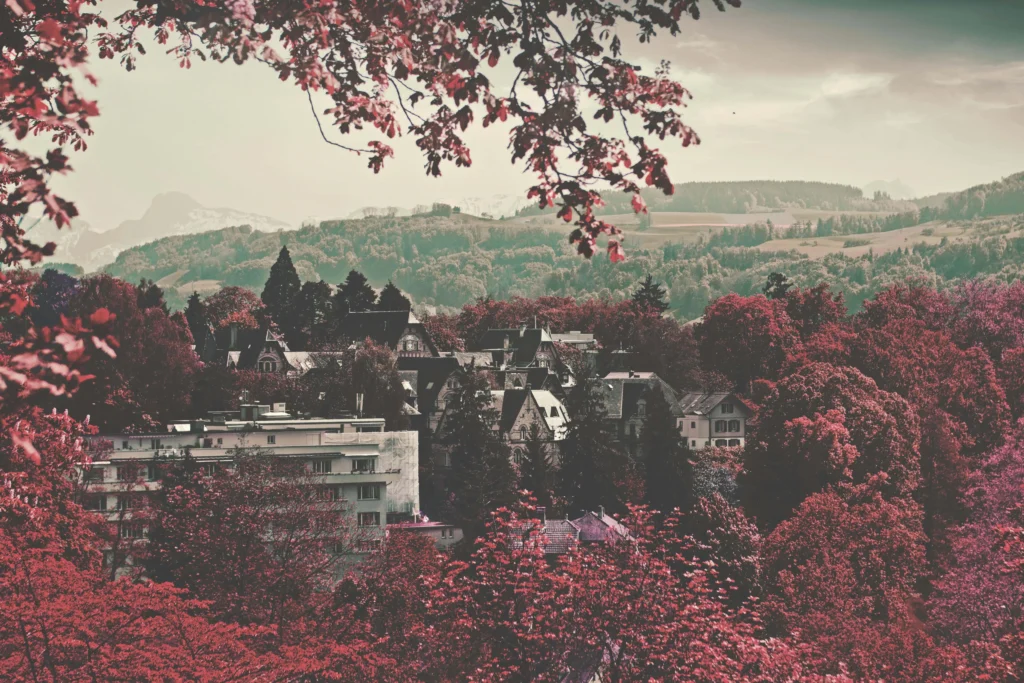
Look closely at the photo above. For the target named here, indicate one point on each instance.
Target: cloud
(849, 84)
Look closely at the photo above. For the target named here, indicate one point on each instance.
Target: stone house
(625, 395)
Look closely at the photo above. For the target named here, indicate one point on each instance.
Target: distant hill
(1000, 198)
(896, 189)
(172, 213)
(748, 197)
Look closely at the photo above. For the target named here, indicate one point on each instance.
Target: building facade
(712, 419)
(351, 459)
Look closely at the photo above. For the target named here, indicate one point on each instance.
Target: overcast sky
(927, 91)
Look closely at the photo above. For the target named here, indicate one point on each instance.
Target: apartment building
(352, 459)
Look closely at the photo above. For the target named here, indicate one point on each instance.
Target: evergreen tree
(776, 286)
(280, 295)
(592, 464)
(651, 296)
(666, 466)
(151, 296)
(536, 474)
(354, 294)
(482, 475)
(313, 311)
(195, 315)
(392, 299)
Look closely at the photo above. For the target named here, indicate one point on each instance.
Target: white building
(376, 471)
(712, 419)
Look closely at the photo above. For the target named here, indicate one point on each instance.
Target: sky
(930, 92)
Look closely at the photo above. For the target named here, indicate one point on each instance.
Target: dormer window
(268, 366)
(728, 408)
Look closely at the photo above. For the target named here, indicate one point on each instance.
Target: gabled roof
(598, 527)
(523, 343)
(557, 536)
(431, 374)
(702, 403)
(621, 392)
(304, 361)
(250, 344)
(509, 404)
(383, 327)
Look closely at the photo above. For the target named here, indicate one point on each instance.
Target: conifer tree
(151, 296)
(354, 295)
(776, 286)
(537, 471)
(651, 296)
(392, 299)
(313, 311)
(482, 475)
(592, 465)
(195, 315)
(666, 467)
(280, 295)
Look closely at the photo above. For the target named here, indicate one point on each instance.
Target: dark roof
(523, 343)
(512, 402)
(431, 374)
(621, 393)
(206, 345)
(702, 403)
(383, 327)
(537, 378)
(249, 344)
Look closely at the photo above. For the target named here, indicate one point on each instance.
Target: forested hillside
(452, 261)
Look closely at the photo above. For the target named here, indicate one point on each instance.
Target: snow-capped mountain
(172, 213)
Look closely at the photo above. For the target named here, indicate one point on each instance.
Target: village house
(352, 459)
(264, 350)
(712, 419)
(625, 396)
(400, 331)
(526, 355)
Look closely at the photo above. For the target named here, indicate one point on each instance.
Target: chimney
(600, 511)
(359, 404)
(506, 342)
(542, 514)
(522, 328)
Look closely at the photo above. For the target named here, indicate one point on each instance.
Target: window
(693, 443)
(124, 445)
(524, 433)
(368, 545)
(369, 519)
(734, 425)
(734, 442)
(152, 471)
(727, 408)
(641, 408)
(369, 492)
(364, 465)
(220, 441)
(271, 439)
(96, 474)
(127, 473)
(96, 503)
(322, 467)
(519, 456)
(130, 530)
(127, 502)
(554, 411)
(328, 493)
(721, 442)
(209, 468)
(154, 444)
(721, 426)
(693, 424)
(410, 344)
(268, 366)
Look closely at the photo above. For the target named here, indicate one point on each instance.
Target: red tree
(746, 338)
(236, 305)
(824, 426)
